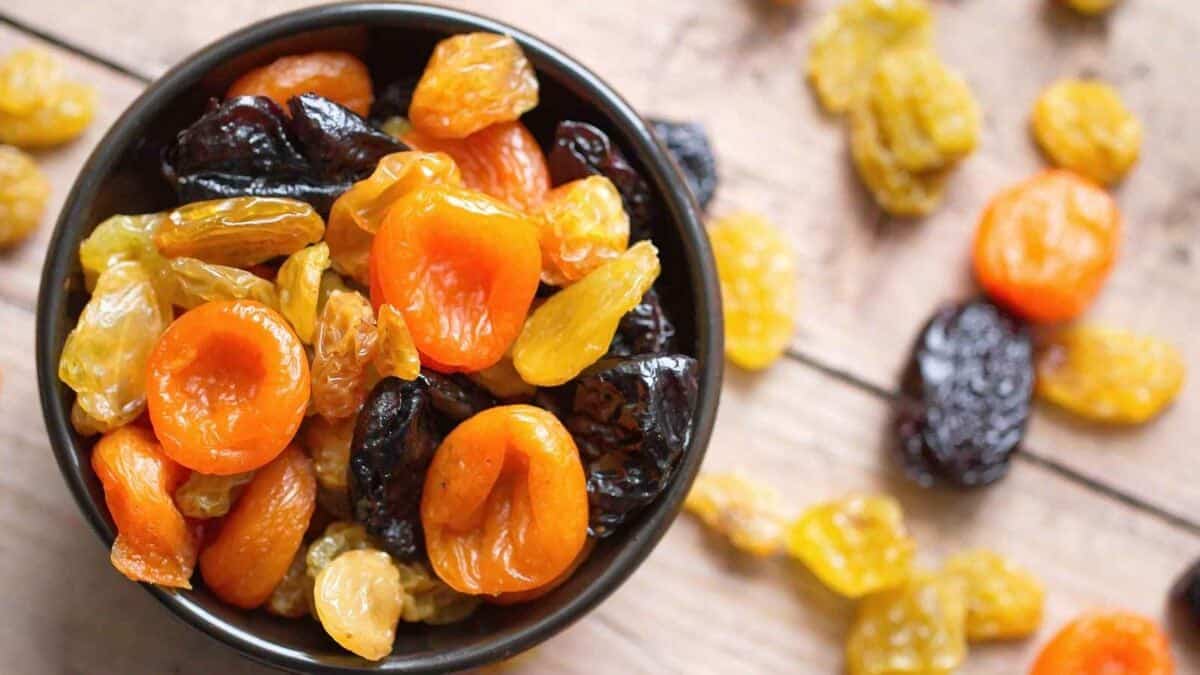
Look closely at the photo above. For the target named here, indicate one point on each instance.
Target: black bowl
(394, 39)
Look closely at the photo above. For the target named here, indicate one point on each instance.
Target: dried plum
(393, 99)
(394, 441)
(646, 329)
(631, 419)
(339, 144)
(581, 150)
(968, 387)
(689, 145)
(455, 398)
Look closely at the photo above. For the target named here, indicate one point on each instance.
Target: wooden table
(1104, 517)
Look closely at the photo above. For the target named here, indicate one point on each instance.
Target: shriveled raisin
(328, 443)
(205, 496)
(1085, 127)
(299, 286)
(582, 150)
(23, 194)
(895, 189)
(195, 282)
(581, 226)
(397, 355)
(916, 628)
(358, 600)
(1003, 600)
(239, 232)
(337, 538)
(855, 546)
(39, 107)
(690, 148)
(344, 345)
(749, 513)
(291, 597)
(84, 424)
(123, 238)
(430, 600)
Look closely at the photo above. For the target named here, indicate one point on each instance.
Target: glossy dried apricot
(358, 600)
(38, 106)
(397, 355)
(260, 536)
(299, 286)
(205, 496)
(915, 629)
(582, 225)
(23, 194)
(1003, 600)
(239, 231)
(1112, 642)
(503, 160)
(573, 329)
(758, 288)
(344, 347)
(228, 386)
(750, 514)
(154, 543)
(505, 502)
(338, 76)
(472, 81)
(1109, 375)
(1085, 127)
(194, 282)
(1045, 246)
(462, 268)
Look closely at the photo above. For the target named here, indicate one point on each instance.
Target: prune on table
(23, 193)
(689, 145)
(394, 441)
(581, 150)
(631, 419)
(969, 385)
(645, 329)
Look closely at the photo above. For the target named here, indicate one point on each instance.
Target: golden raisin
(299, 286)
(430, 600)
(358, 600)
(397, 355)
(38, 106)
(582, 225)
(898, 191)
(503, 381)
(1090, 7)
(121, 238)
(195, 282)
(1003, 600)
(915, 629)
(23, 194)
(239, 231)
(345, 344)
(338, 537)
(328, 443)
(206, 496)
(750, 514)
(292, 596)
(1083, 126)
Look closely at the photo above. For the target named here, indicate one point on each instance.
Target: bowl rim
(679, 203)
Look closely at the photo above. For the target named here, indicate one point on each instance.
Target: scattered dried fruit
(23, 194)
(1085, 127)
(855, 546)
(338, 76)
(358, 600)
(39, 107)
(750, 514)
(917, 628)
(1003, 601)
(689, 146)
(1113, 641)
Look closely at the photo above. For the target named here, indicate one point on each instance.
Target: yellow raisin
(918, 628)
(750, 514)
(338, 537)
(582, 225)
(503, 381)
(1083, 126)
(396, 126)
(292, 597)
(239, 231)
(328, 443)
(195, 282)
(345, 344)
(85, 425)
(1003, 601)
(205, 496)
(1090, 7)
(397, 355)
(39, 107)
(358, 600)
(430, 600)
(118, 239)
(299, 286)
(23, 194)
(898, 191)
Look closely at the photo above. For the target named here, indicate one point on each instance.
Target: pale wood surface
(867, 285)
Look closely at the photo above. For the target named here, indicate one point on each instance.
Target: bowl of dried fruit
(381, 337)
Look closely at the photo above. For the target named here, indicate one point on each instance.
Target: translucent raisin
(84, 424)
(898, 191)
(205, 496)
(503, 381)
(430, 600)
(750, 514)
(856, 546)
(239, 232)
(1109, 375)
(582, 150)
(299, 286)
(917, 628)
(582, 225)
(195, 282)
(39, 107)
(758, 288)
(690, 148)
(337, 538)
(121, 238)
(472, 81)
(344, 345)
(292, 598)
(645, 329)
(1003, 600)
(1085, 127)
(397, 355)
(328, 443)
(968, 386)
(23, 194)
(358, 600)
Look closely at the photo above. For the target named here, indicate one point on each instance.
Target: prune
(299, 286)
(968, 386)
(748, 513)
(358, 600)
(631, 419)
(917, 628)
(23, 193)
(394, 441)
(581, 150)
(344, 346)
(455, 397)
(645, 329)
(1003, 600)
(341, 146)
(393, 100)
(1109, 641)
(38, 106)
(689, 145)
(581, 226)
(1085, 127)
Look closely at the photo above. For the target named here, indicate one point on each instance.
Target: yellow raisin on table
(751, 515)
(206, 496)
(897, 190)
(195, 282)
(239, 231)
(39, 107)
(1004, 601)
(23, 194)
(358, 599)
(855, 546)
(299, 286)
(1109, 375)
(1085, 127)
(758, 288)
(849, 41)
(918, 628)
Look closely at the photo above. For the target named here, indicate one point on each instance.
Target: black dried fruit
(581, 150)
(688, 143)
(632, 421)
(1185, 593)
(455, 398)
(644, 330)
(968, 389)
(395, 438)
(393, 99)
(339, 144)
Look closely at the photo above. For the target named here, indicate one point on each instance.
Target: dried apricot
(758, 288)
(23, 194)
(260, 536)
(38, 106)
(462, 268)
(338, 76)
(1003, 600)
(194, 282)
(472, 81)
(574, 328)
(1109, 375)
(915, 629)
(345, 345)
(397, 355)
(1045, 246)
(750, 514)
(205, 496)
(582, 225)
(239, 231)
(154, 543)
(299, 286)
(358, 600)
(505, 502)
(1114, 641)
(1083, 126)
(227, 387)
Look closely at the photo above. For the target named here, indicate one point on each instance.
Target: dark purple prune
(1185, 593)
(455, 398)
(581, 150)
(689, 145)
(644, 330)
(632, 421)
(393, 99)
(395, 438)
(967, 396)
(341, 146)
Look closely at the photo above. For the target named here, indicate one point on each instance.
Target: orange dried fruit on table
(154, 543)
(338, 76)
(758, 288)
(205, 496)
(1004, 601)
(345, 345)
(23, 193)
(359, 211)
(299, 285)
(574, 327)
(917, 628)
(358, 599)
(1045, 246)
(227, 387)
(1109, 375)
(583, 225)
(1085, 127)
(472, 81)
(397, 355)
(750, 514)
(239, 231)
(1112, 641)
(503, 160)
(259, 538)
(39, 107)
(462, 268)
(504, 507)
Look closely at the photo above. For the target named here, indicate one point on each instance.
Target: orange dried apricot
(583, 225)
(1111, 642)
(338, 76)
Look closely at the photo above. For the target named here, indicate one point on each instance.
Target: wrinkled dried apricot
(154, 543)
(299, 286)
(1003, 600)
(750, 514)
(358, 600)
(472, 81)
(38, 106)
(205, 496)
(505, 502)
(582, 225)
(462, 268)
(397, 355)
(1045, 246)
(1085, 127)
(239, 231)
(1114, 641)
(228, 386)
(23, 193)
(260, 536)
(345, 344)
(338, 76)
